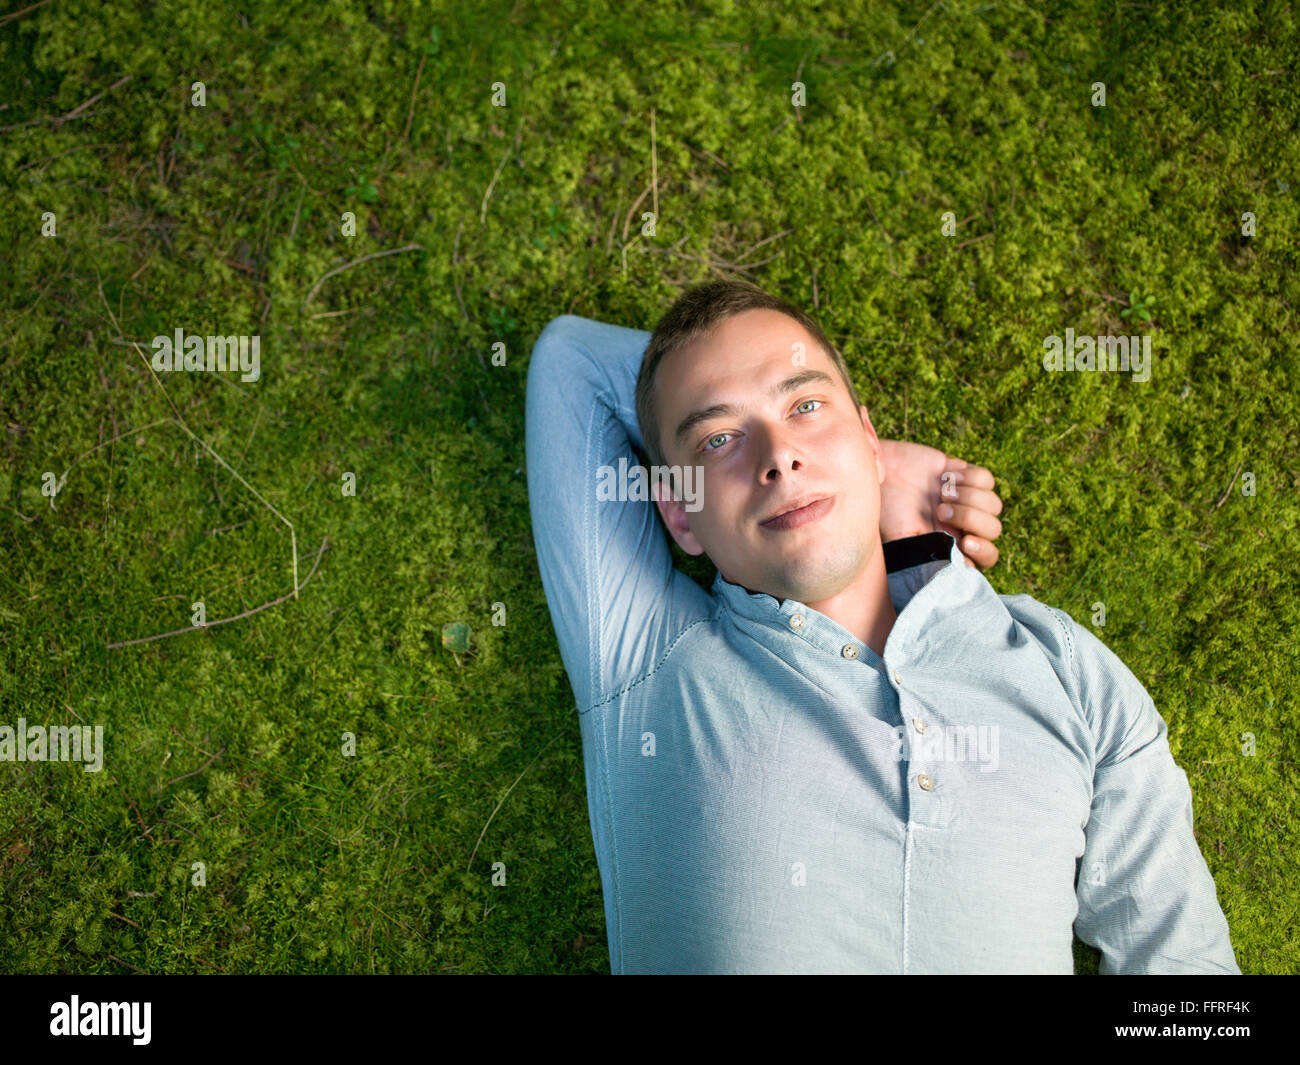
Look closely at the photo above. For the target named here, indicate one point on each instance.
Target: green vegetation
(225, 746)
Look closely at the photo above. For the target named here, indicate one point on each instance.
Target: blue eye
(709, 444)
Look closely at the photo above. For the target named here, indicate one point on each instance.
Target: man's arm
(1146, 897)
(605, 564)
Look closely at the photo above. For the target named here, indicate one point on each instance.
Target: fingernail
(945, 512)
(972, 545)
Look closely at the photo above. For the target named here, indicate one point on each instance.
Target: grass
(225, 746)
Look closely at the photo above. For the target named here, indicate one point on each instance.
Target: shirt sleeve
(614, 596)
(1146, 898)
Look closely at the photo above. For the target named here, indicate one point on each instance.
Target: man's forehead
(764, 342)
(758, 325)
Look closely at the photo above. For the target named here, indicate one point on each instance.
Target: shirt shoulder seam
(656, 667)
(1073, 663)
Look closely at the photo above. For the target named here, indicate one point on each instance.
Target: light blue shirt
(769, 795)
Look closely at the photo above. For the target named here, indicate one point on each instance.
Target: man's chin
(801, 575)
(800, 585)
(813, 580)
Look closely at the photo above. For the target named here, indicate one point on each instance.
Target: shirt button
(796, 621)
(920, 725)
(897, 678)
(925, 782)
(849, 651)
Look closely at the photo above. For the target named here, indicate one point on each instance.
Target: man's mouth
(803, 513)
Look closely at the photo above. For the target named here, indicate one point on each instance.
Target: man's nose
(777, 452)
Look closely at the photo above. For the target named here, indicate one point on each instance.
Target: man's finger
(980, 549)
(968, 519)
(975, 476)
(979, 552)
(979, 498)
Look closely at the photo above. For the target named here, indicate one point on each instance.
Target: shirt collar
(925, 573)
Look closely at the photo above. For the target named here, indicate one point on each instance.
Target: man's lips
(803, 515)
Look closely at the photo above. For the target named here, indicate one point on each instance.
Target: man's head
(748, 389)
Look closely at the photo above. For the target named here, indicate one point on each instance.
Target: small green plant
(500, 321)
(363, 189)
(554, 230)
(1139, 306)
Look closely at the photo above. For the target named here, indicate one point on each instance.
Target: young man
(851, 754)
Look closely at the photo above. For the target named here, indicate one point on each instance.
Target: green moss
(225, 746)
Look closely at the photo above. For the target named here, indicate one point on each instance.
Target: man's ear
(674, 514)
(875, 442)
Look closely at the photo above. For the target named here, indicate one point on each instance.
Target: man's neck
(864, 608)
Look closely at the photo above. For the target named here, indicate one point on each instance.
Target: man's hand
(920, 480)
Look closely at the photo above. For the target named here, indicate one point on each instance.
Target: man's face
(789, 435)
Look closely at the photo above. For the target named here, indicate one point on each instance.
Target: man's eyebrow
(791, 384)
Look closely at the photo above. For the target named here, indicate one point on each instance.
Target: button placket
(936, 786)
